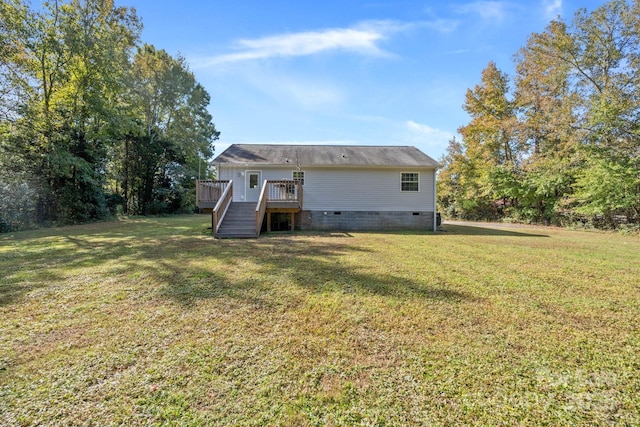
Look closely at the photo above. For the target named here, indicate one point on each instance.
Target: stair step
(238, 222)
(237, 228)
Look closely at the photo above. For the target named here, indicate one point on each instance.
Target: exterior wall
(364, 221)
(367, 198)
(238, 175)
(359, 189)
(354, 189)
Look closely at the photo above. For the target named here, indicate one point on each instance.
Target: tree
(64, 68)
(569, 141)
(596, 58)
(173, 133)
(491, 150)
(607, 186)
(547, 126)
(83, 120)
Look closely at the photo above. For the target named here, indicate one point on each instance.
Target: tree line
(559, 141)
(92, 121)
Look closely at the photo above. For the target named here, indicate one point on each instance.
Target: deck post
(293, 223)
(269, 222)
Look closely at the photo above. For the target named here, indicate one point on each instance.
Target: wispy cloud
(495, 10)
(362, 40)
(552, 8)
(426, 135)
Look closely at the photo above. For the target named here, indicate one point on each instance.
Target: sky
(352, 72)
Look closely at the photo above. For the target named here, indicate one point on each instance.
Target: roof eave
(284, 165)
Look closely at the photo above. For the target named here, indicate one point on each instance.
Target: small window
(253, 180)
(298, 176)
(410, 181)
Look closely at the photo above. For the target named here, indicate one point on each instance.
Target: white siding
(232, 173)
(354, 189)
(365, 190)
(238, 174)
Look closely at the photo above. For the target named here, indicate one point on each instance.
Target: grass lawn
(152, 321)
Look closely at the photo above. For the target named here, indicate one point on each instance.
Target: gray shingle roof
(325, 155)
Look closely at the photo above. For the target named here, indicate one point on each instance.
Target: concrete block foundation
(364, 221)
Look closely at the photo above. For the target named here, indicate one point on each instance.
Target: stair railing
(219, 211)
(208, 191)
(261, 208)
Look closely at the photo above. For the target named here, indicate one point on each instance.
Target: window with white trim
(298, 176)
(253, 180)
(410, 181)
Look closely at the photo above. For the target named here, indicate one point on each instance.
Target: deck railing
(220, 209)
(209, 191)
(284, 192)
(261, 208)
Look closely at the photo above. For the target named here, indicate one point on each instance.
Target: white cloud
(363, 40)
(552, 8)
(486, 9)
(427, 136)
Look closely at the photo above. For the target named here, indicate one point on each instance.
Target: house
(320, 187)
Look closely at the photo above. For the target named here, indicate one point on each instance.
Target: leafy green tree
(173, 134)
(607, 186)
(64, 69)
(547, 125)
(569, 141)
(492, 153)
(599, 50)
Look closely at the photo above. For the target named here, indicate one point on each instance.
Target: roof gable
(325, 155)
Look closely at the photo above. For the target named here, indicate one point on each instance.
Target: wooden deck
(208, 192)
(283, 194)
(277, 196)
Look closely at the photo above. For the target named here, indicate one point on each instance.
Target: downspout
(435, 205)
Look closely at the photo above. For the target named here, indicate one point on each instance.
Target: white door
(253, 185)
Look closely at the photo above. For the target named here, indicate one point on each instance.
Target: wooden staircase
(239, 222)
(243, 220)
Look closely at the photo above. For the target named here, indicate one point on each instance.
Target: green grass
(153, 322)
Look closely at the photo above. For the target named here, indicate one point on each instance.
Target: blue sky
(371, 72)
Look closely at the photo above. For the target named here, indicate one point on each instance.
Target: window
(298, 176)
(253, 180)
(409, 181)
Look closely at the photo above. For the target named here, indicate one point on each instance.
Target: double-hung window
(410, 181)
(298, 176)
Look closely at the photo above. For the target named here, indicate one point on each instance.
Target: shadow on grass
(319, 267)
(488, 230)
(12, 292)
(145, 254)
(38, 259)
